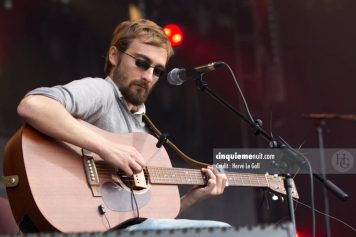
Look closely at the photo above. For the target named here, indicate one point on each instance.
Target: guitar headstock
(276, 184)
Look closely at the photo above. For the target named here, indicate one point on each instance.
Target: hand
(123, 157)
(215, 186)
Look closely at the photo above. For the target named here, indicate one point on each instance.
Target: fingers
(127, 170)
(132, 167)
(221, 180)
(125, 158)
(215, 186)
(135, 162)
(216, 182)
(138, 158)
(135, 167)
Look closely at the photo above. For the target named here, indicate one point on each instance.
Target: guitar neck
(163, 175)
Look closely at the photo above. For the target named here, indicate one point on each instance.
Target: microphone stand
(323, 173)
(258, 130)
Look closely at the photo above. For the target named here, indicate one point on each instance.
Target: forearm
(186, 202)
(51, 118)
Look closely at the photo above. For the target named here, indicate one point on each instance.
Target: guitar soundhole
(117, 198)
(126, 193)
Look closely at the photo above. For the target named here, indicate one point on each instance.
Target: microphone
(177, 76)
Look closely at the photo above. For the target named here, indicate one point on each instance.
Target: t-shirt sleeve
(86, 99)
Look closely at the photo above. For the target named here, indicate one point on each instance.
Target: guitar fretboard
(163, 175)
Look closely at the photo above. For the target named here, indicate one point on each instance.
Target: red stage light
(174, 34)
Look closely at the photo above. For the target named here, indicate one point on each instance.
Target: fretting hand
(215, 186)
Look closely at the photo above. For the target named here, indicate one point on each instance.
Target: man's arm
(215, 186)
(51, 118)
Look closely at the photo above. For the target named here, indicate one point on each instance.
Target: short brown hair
(146, 30)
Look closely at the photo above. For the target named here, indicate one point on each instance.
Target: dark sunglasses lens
(142, 64)
(157, 72)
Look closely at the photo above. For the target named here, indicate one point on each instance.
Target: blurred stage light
(8, 5)
(174, 34)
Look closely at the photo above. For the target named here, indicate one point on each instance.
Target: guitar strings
(195, 180)
(194, 175)
(106, 170)
(191, 172)
(104, 166)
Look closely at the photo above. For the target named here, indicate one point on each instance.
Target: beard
(134, 92)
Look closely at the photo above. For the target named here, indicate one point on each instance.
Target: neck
(132, 108)
(167, 175)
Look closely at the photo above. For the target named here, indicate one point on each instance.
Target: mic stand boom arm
(258, 130)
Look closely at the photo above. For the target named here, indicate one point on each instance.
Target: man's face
(134, 81)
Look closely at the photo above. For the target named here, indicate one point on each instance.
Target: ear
(113, 56)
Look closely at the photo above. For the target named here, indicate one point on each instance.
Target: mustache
(140, 83)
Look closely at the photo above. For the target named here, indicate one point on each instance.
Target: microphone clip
(200, 83)
(162, 140)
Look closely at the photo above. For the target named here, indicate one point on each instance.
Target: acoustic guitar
(61, 187)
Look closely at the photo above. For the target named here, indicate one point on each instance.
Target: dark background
(291, 58)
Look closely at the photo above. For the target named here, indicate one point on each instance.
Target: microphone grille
(173, 77)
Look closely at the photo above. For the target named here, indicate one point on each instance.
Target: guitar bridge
(91, 173)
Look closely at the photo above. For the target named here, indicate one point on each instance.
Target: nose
(147, 75)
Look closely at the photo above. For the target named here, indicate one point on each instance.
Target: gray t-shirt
(97, 101)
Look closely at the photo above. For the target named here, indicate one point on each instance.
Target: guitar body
(53, 189)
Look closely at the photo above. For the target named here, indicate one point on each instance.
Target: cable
(240, 91)
(135, 201)
(107, 220)
(102, 211)
(332, 217)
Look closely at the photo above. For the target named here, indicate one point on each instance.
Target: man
(137, 57)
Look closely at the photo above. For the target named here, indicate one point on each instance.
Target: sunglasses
(144, 65)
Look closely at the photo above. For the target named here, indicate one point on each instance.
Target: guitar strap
(163, 139)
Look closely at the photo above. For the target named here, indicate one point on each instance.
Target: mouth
(140, 85)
